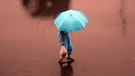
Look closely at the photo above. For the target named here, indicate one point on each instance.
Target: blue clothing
(68, 43)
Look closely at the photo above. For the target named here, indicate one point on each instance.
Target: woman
(64, 39)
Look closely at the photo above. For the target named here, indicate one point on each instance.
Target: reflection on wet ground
(123, 15)
(45, 8)
(66, 70)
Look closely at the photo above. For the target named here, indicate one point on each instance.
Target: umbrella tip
(70, 14)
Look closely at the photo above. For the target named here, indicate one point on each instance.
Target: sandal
(62, 61)
(69, 59)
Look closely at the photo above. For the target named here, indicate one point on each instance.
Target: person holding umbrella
(64, 40)
(68, 22)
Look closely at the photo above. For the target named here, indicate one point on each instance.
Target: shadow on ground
(45, 8)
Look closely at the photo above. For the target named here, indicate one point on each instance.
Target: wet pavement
(29, 44)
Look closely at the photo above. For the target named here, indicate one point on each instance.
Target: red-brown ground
(29, 46)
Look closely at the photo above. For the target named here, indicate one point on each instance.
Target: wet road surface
(29, 45)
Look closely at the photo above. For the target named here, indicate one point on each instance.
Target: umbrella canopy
(71, 21)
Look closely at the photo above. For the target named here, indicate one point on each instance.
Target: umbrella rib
(61, 22)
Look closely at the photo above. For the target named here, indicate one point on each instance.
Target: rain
(29, 39)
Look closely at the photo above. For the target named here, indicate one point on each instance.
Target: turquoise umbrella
(71, 21)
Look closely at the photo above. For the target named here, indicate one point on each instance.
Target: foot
(69, 59)
(62, 61)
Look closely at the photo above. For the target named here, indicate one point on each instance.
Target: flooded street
(29, 42)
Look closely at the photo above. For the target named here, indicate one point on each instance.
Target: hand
(63, 43)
